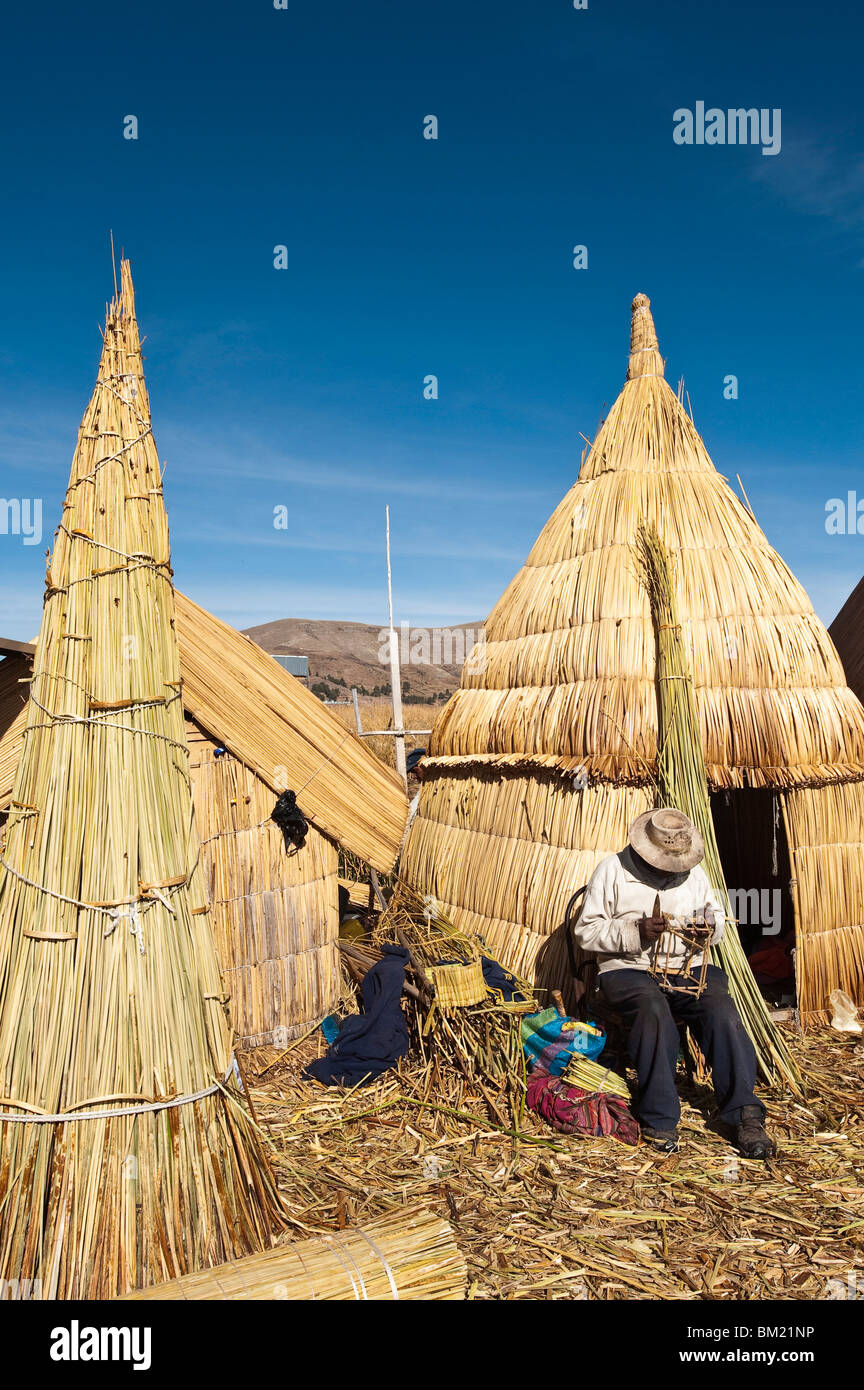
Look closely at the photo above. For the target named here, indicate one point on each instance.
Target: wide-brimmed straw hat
(667, 840)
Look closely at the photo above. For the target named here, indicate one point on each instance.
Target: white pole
(395, 673)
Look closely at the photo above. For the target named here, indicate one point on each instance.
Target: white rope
(102, 721)
(130, 910)
(88, 477)
(92, 719)
(335, 1243)
(140, 555)
(142, 562)
(387, 1270)
(147, 1108)
(325, 762)
(133, 915)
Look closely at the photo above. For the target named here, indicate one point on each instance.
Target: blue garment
(371, 1042)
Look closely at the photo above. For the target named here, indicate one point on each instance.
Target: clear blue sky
(303, 387)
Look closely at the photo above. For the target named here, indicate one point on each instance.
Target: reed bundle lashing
(409, 1255)
(127, 1151)
(682, 782)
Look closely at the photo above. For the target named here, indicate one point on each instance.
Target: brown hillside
(351, 652)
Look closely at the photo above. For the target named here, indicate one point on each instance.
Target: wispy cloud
(818, 177)
(248, 459)
(264, 536)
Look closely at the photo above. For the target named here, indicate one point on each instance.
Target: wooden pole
(395, 673)
(356, 703)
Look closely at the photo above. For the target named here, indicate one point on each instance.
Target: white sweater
(615, 900)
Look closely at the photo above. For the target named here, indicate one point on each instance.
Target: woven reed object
(673, 956)
(594, 1077)
(458, 985)
(409, 1255)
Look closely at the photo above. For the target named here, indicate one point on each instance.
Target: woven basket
(592, 1077)
(457, 986)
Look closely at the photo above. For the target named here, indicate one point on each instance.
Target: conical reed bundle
(112, 1013)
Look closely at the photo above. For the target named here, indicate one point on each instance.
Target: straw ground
(555, 1218)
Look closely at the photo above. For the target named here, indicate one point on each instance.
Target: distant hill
(345, 654)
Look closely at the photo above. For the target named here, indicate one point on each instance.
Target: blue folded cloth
(370, 1042)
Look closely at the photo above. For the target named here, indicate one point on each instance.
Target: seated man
(617, 924)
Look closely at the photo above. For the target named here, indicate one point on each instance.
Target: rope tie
(140, 555)
(387, 1270)
(147, 1107)
(130, 913)
(327, 760)
(336, 1246)
(111, 458)
(130, 909)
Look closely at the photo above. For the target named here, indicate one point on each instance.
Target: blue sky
(304, 387)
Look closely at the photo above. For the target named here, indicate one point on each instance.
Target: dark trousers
(650, 1014)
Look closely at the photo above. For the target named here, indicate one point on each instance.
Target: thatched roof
(270, 722)
(847, 634)
(569, 670)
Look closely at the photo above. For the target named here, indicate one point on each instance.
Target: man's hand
(651, 929)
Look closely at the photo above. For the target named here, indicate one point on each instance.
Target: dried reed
(284, 733)
(682, 783)
(408, 1255)
(111, 1005)
(275, 912)
(478, 1041)
(546, 1217)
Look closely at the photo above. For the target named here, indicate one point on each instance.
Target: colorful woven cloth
(571, 1110)
(550, 1041)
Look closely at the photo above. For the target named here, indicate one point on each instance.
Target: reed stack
(127, 1151)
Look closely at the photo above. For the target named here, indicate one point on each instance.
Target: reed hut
(254, 730)
(547, 752)
(847, 634)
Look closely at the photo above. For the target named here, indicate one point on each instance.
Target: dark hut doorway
(754, 852)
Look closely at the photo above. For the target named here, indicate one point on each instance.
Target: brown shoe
(753, 1141)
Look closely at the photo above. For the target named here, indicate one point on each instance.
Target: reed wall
(503, 851)
(825, 831)
(275, 912)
